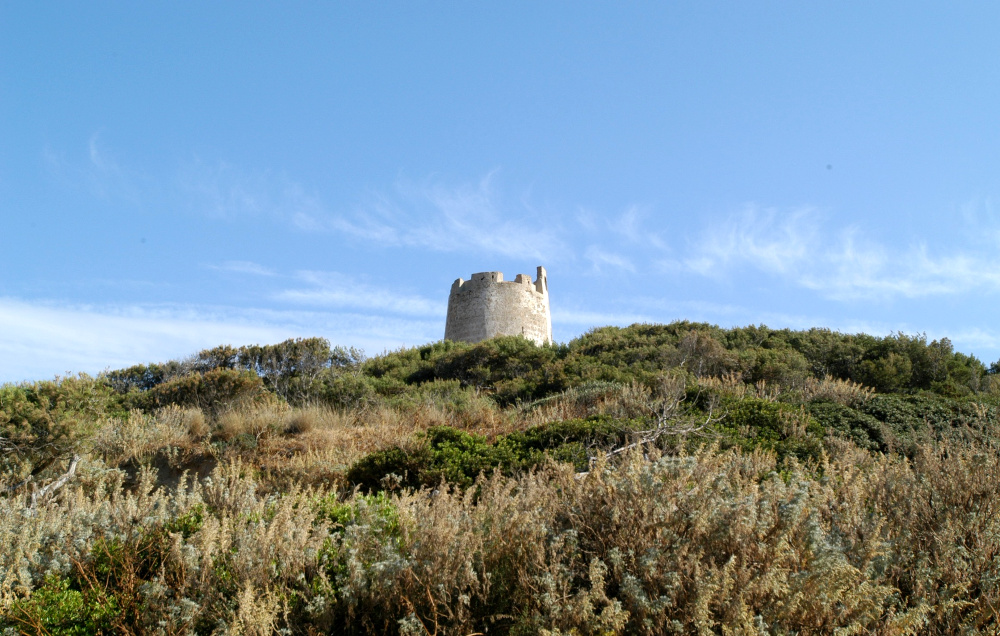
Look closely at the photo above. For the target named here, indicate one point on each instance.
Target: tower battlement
(486, 306)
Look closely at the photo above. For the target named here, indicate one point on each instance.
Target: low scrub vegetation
(653, 479)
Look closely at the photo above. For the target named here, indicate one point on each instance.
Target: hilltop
(646, 479)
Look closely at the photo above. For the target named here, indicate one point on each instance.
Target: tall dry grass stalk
(844, 392)
(139, 435)
(829, 388)
(623, 401)
(732, 384)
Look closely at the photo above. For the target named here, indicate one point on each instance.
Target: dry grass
(316, 444)
(707, 543)
(623, 401)
(844, 392)
(732, 384)
(302, 421)
(291, 441)
(711, 542)
(257, 422)
(139, 436)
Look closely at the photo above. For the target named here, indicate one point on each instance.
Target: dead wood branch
(57, 484)
(666, 414)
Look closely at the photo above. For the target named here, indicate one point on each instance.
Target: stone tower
(485, 306)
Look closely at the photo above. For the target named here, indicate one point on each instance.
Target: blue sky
(175, 176)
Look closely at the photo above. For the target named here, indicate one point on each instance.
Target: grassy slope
(784, 481)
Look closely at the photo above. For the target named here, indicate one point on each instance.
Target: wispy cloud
(976, 339)
(225, 190)
(838, 263)
(981, 221)
(447, 218)
(219, 189)
(764, 239)
(99, 172)
(474, 217)
(631, 225)
(244, 267)
(561, 316)
(39, 340)
(611, 235)
(601, 260)
(330, 289)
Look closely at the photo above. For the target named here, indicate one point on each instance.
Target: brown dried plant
(712, 542)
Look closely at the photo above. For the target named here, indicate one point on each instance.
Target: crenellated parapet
(486, 306)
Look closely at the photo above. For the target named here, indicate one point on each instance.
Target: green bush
(862, 429)
(575, 441)
(56, 609)
(142, 377)
(44, 422)
(512, 369)
(289, 368)
(344, 390)
(926, 417)
(507, 362)
(787, 430)
(213, 392)
(187, 523)
(783, 367)
(405, 468)
(458, 457)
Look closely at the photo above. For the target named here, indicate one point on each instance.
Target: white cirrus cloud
(590, 319)
(463, 218)
(331, 289)
(244, 267)
(39, 339)
(227, 191)
(631, 225)
(764, 239)
(601, 260)
(837, 263)
(100, 173)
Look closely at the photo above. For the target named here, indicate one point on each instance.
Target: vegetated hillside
(652, 479)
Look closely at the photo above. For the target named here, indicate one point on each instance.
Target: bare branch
(19, 484)
(57, 484)
(651, 435)
(665, 413)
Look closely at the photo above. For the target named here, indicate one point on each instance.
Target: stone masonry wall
(486, 306)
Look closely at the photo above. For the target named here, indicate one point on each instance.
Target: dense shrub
(401, 468)
(57, 609)
(849, 423)
(213, 391)
(513, 369)
(343, 390)
(458, 457)
(927, 416)
(142, 377)
(291, 367)
(786, 430)
(43, 422)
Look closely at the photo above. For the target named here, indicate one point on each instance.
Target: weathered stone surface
(485, 306)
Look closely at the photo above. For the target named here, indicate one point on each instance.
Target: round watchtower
(486, 306)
